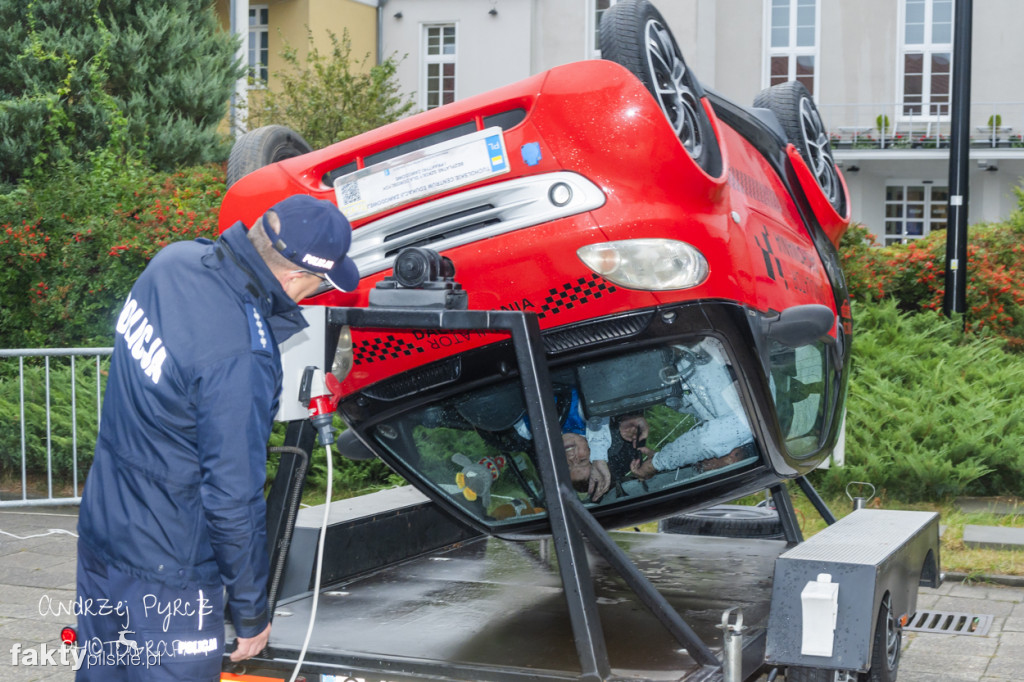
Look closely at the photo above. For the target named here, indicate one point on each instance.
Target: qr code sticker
(350, 193)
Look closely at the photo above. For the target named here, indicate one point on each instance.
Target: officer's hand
(250, 646)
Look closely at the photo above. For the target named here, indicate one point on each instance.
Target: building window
(439, 58)
(927, 61)
(259, 44)
(598, 8)
(792, 42)
(913, 211)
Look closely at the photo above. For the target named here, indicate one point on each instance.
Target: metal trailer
(411, 594)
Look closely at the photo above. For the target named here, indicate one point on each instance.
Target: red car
(678, 250)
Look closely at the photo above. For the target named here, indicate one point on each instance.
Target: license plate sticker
(421, 173)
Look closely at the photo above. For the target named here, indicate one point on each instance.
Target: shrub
(72, 245)
(72, 434)
(914, 275)
(331, 97)
(151, 76)
(932, 412)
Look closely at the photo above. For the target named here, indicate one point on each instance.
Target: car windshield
(659, 418)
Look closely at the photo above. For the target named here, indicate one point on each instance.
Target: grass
(955, 556)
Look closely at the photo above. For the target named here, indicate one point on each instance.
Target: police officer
(173, 519)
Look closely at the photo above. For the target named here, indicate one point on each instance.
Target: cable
(40, 535)
(319, 565)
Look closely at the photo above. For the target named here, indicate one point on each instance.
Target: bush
(914, 275)
(149, 76)
(72, 435)
(72, 245)
(330, 97)
(932, 413)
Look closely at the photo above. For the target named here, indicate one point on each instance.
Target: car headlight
(649, 264)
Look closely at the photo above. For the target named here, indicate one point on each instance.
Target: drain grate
(948, 623)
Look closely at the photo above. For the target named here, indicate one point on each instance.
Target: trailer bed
(494, 609)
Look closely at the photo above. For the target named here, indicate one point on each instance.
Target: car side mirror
(799, 325)
(350, 446)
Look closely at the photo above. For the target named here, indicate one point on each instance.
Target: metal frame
(570, 520)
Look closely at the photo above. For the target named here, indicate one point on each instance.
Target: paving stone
(993, 537)
(1008, 667)
(971, 667)
(1006, 506)
(975, 606)
(916, 676)
(927, 644)
(1015, 621)
(26, 602)
(926, 601)
(985, 591)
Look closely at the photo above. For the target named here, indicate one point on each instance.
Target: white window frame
(926, 218)
(592, 25)
(927, 48)
(258, 81)
(792, 50)
(441, 59)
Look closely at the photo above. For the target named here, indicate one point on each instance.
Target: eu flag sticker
(496, 152)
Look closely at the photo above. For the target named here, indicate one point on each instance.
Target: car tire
(634, 35)
(794, 107)
(261, 147)
(885, 655)
(727, 520)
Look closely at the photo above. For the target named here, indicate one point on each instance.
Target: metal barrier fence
(56, 444)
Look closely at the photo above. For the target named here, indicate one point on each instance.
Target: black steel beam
(816, 500)
(638, 582)
(283, 501)
(787, 513)
(554, 473)
(959, 160)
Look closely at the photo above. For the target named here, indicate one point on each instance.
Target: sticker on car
(421, 173)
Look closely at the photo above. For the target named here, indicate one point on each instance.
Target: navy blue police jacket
(175, 492)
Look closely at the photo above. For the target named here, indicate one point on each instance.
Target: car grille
(590, 333)
(470, 216)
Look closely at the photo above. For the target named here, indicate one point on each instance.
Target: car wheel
(885, 650)
(727, 520)
(885, 655)
(634, 35)
(793, 106)
(261, 147)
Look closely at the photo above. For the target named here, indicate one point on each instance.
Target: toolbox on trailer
(829, 593)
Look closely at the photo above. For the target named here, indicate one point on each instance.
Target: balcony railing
(917, 126)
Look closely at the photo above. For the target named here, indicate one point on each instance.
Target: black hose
(291, 512)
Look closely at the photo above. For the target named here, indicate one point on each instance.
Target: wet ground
(37, 579)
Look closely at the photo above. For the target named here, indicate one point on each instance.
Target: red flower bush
(71, 247)
(914, 275)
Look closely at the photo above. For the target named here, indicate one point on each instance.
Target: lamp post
(956, 230)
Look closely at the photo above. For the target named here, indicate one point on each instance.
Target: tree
(329, 97)
(148, 76)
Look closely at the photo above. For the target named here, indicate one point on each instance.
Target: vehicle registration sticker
(412, 176)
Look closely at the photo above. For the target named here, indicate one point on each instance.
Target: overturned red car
(678, 250)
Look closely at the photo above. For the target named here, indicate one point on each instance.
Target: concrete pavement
(37, 578)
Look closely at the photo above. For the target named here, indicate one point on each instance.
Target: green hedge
(932, 412)
(65, 442)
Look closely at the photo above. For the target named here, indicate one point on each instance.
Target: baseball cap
(315, 236)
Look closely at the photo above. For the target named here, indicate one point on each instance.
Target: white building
(879, 71)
